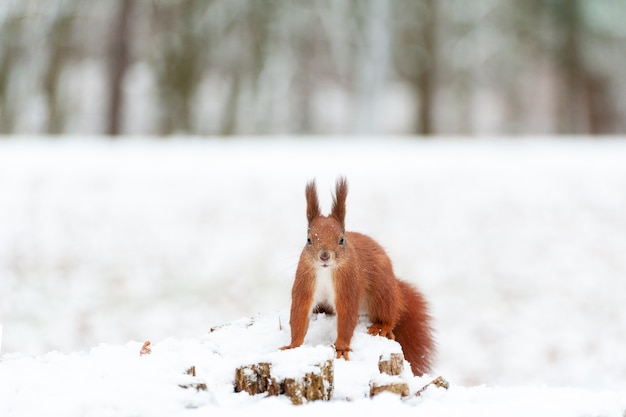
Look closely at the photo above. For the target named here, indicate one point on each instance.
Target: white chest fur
(324, 289)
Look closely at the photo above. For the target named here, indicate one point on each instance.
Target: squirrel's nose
(324, 255)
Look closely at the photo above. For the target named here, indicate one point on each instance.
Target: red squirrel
(345, 273)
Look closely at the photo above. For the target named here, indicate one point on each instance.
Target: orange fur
(362, 278)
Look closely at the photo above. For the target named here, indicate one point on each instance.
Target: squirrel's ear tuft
(312, 202)
(339, 201)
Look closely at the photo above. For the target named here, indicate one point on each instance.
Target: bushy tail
(413, 330)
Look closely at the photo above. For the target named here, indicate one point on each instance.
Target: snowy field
(520, 247)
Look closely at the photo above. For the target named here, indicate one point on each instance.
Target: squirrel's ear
(339, 201)
(312, 203)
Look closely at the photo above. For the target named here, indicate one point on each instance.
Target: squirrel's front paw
(342, 352)
(288, 347)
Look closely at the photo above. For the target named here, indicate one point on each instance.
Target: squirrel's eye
(341, 241)
(309, 241)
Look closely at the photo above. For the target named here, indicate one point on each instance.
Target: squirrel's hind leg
(380, 329)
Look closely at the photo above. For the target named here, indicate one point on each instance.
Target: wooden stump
(392, 366)
(199, 386)
(256, 379)
(390, 380)
(399, 387)
(315, 385)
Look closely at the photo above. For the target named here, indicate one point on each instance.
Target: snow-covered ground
(518, 245)
(114, 380)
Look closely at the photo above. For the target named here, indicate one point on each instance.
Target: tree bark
(118, 60)
(426, 83)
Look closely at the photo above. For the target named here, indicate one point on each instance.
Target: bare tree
(584, 100)
(416, 57)
(118, 63)
(180, 50)
(9, 32)
(59, 34)
(250, 30)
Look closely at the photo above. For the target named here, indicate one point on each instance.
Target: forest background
(275, 67)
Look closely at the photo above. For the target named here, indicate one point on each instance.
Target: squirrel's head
(326, 243)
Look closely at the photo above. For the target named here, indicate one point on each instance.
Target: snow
(116, 380)
(518, 245)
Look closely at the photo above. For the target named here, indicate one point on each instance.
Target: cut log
(390, 379)
(399, 387)
(392, 366)
(199, 386)
(313, 386)
(256, 379)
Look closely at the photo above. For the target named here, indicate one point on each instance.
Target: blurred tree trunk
(9, 32)
(259, 19)
(371, 64)
(426, 80)
(416, 57)
(182, 47)
(570, 61)
(252, 27)
(304, 83)
(118, 63)
(58, 49)
(228, 125)
(584, 103)
(602, 112)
